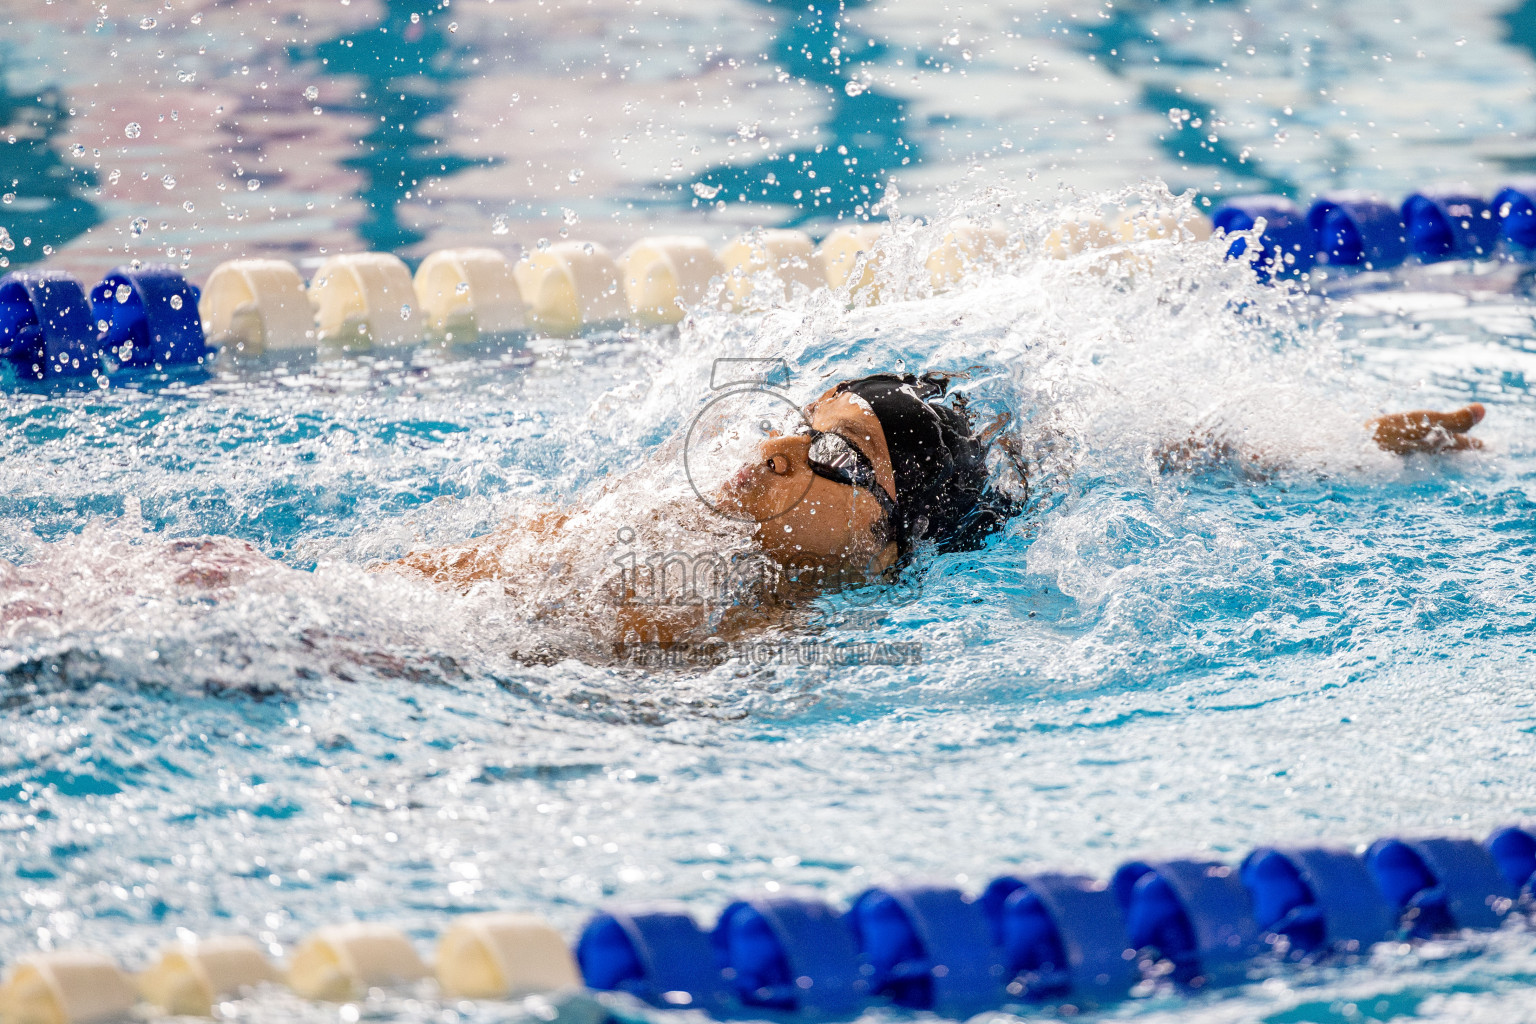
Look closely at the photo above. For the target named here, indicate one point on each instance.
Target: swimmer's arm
(1422, 432)
(476, 560)
(1425, 431)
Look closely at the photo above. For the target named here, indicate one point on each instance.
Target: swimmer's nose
(782, 453)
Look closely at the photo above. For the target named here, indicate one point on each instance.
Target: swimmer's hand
(1423, 431)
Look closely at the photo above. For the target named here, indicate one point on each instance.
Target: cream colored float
(1077, 236)
(840, 252)
(464, 293)
(661, 274)
(190, 977)
(789, 256)
(494, 956)
(343, 962)
(1130, 225)
(570, 284)
(65, 988)
(365, 300)
(964, 247)
(256, 305)
(1136, 224)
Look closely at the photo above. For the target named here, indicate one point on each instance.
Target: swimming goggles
(834, 457)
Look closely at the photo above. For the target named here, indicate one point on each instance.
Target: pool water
(216, 719)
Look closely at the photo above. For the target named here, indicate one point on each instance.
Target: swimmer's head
(944, 492)
(885, 465)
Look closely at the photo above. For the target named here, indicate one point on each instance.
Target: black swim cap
(943, 491)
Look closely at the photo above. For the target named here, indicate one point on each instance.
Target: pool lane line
(151, 317)
(1064, 939)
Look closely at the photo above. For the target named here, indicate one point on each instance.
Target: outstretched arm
(1401, 433)
(1408, 433)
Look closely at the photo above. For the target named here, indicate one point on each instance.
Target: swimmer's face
(833, 526)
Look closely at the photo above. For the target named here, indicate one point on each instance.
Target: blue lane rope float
(1060, 934)
(1196, 914)
(45, 325)
(791, 954)
(1441, 884)
(928, 948)
(1449, 224)
(1515, 851)
(1357, 229)
(660, 956)
(1289, 245)
(1515, 208)
(148, 317)
(1317, 899)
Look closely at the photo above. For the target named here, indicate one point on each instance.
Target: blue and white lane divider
(148, 317)
(1055, 937)
(1071, 940)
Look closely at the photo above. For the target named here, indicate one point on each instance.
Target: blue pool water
(216, 720)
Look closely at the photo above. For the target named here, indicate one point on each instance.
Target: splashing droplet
(176, 302)
(188, 206)
(462, 288)
(169, 182)
(405, 312)
(147, 23)
(253, 185)
(122, 293)
(574, 175)
(854, 88)
(137, 225)
(704, 191)
(499, 224)
(77, 149)
(134, 130)
(311, 93)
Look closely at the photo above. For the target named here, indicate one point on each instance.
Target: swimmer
(886, 464)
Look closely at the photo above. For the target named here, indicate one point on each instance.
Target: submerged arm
(460, 566)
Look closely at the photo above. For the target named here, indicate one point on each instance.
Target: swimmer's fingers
(1408, 433)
